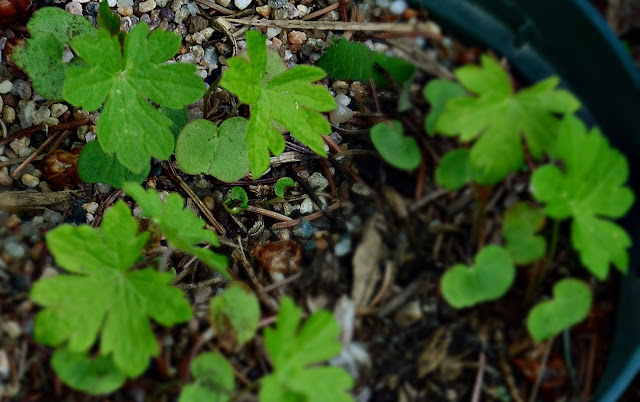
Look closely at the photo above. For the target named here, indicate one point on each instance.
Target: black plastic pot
(569, 38)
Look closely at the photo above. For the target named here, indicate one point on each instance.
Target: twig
(269, 213)
(216, 6)
(211, 281)
(26, 132)
(543, 367)
(477, 386)
(33, 155)
(322, 11)
(310, 217)
(423, 29)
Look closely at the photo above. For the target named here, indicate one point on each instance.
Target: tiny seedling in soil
(237, 201)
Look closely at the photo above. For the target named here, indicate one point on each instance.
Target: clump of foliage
(287, 100)
(588, 187)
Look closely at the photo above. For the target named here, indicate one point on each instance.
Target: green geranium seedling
(296, 350)
(488, 279)
(282, 185)
(235, 315)
(355, 61)
(399, 150)
(95, 376)
(571, 304)
(521, 223)
(221, 152)
(237, 201)
(590, 189)
(288, 100)
(125, 78)
(96, 166)
(182, 228)
(438, 93)
(51, 31)
(102, 297)
(497, 118)
(214, 380)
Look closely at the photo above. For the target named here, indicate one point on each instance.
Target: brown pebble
(36, 251)
(296, 40)
(13, 221)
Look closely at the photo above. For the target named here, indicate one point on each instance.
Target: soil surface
(354, 236)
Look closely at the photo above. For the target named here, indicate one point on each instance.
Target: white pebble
(398, 7)
(242, 4)
(273, 32)
(30, 180)
(124, 3)
(343, 99)
(147, 6)
(223, 3)
(58, 109)
(5, 370)
(341, 114)
(6, 87)
(90, 207)
(12, 329)
(306, 207)
(74, 8)
(112, 3)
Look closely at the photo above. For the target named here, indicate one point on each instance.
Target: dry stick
(15, 161)
(216, 6)
(422, 29)
(543, 367)
(309, 217)
(507, 373)
(269, 213)
(477, 386)
(343, 10)
(26, 132)
(212, 281)
(33, 155)
(323, 11)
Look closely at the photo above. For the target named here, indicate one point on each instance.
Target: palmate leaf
(288, 99)
(182, 228)
(590, 188)
(293, 348)
(497, 118)
(103, 297)
(124, 80)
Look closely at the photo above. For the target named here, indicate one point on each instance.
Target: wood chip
(16, 201)
(366, 264)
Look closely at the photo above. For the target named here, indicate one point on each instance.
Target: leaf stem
(539, 274)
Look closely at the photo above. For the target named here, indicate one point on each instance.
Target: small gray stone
(51, 216)
(242, 4)
(15, 250)
(74, 7)
(25, 113)
(343, 247)
(8, 114)
(124, 3)
(318, 182)
(58, 109)
(6, 87)
(41, 115)
(340, 114)
(306, 207)
(304, 229)
(277, 3)
(22, 89)
(30, 180)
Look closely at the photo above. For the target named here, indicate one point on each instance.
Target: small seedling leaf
(178, 119)
(51, 30)
(182, 228)
(293, 348)
(95, 376)
(95, 166)
(282, 185)
(221, 152)
(489, 278)
(108, 20)
(103, 296)
(521, 223)
(235, 315)
(497, 118)
(400, 151)
(590, 189)
(125, 80)
(213, 380)
(355, 61)
(454, 169)
(237, 201)
(289, 100)
(438, 92)
(571, 304)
